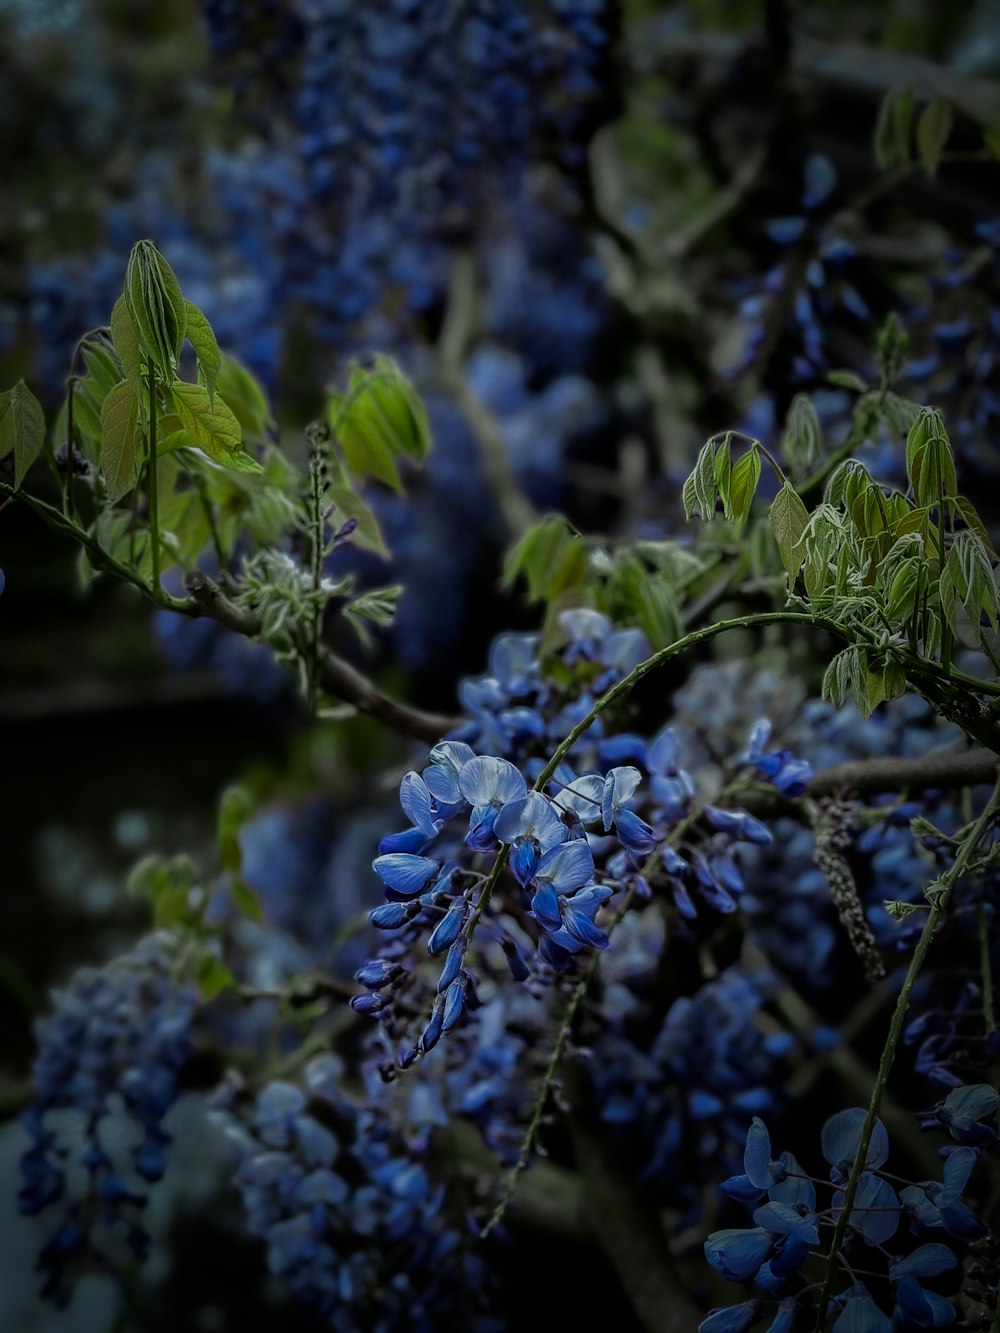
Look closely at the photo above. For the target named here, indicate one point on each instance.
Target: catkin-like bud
(832, 830)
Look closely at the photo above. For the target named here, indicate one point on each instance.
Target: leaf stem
(939, 904)
(70, 469)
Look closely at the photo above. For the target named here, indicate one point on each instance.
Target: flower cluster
(355, 1227)
(109, 1055)
(531, 868)
(789, 1217)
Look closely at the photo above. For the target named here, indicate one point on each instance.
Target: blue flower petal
(738, 1253)
(405, 873)
(566, 867)
(757, 1155)
(487, 780)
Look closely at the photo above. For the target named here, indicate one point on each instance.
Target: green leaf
(846, 379)
(746, 475)
(157, 307)
(550, 557)
(212, 426)
(837, 677)
(236, 806)
(789, 517)
(245, 900)
(244, 396)
(367, 536)
(933, 130)
(803, 441)
(121, 430)
(22, 428)
(379, 420)
(891, 143)
(126, 343)
(700, 488)
(102, 366)
(377, 606)
(213, 977)
(201, 337)
(723, 468)
(892, 345)
(970, 514)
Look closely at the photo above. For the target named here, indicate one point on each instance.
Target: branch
(336, 675)
(943, 768)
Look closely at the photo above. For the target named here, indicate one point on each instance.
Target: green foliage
(379, 420)
(120, 436)
(550, 557)
(22, 429)
(156, 307)
(211, 426)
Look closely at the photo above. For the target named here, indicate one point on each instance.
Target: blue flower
(404, 873)
(841, 1137)
(963, 1110)
(940, 1205)
(441, 777)
(532, 827)
(861, 1315)
(635, 833)
(731, 1319)
(875, 1213)
(738, 1253)
(488, 784)
(418, 805)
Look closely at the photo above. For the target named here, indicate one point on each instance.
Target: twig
(336, 675)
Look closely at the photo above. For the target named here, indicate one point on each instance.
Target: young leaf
(743, 487)
(892, 345)
(700, 488)
(243, 395)
(212, 426)
(891, 143)
(127, 346)
(803, 441)
(933, 130)
(378, 420)
(550, 556)
(158, 310)
(970, 514)
(235, 808)
(120, 432)
(201, 337)
(377, 606)
(789, 517)
(367, 536)
(723, 470)
(22, 428)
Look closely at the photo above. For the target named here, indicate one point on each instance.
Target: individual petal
(581, 624)
(619, 786)
(390, 916)
(431, 1034)
(742, 1189)
(791, 1253)
(957, 1169)
(794, 1189)
(410, 840)
(417, 805)
(405, 873)
(923, 1308)
(875, 1213)
(624, 649)
(622, 748)
(514, 661)
(925, 1261)
(524, 862)
(441, 777)
(447, 930)
(634, 833)
(663, 752)
(566, 867)
(545, 905)
(841, 1135)
(452, 965)
(531, 816)
(861, 1315)
(731, 1319)
(960, 1223)
(673, 862)
(785, 1221)
(760, 734)
(739, 824)
(454, 1002)
(582, 928)
(738, 1253)
(581, 796)
(784, 1317)
(757, 1155)
(486, 780)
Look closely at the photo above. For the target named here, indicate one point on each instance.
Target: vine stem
(986, 970)
(154, 503)
(938, 895)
